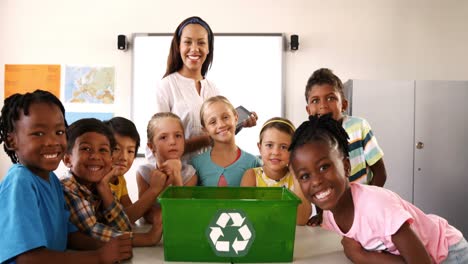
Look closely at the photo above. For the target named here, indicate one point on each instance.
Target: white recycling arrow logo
(230, 233)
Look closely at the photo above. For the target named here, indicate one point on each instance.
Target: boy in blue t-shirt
(34, 223)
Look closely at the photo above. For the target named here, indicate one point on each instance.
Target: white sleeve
(163, 96)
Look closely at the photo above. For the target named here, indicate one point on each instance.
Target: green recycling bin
(228, 224)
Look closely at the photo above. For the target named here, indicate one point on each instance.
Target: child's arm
(142, 188)
(249, 179)
(126, 202)
(304, 210)
(80, 241)
(104, 190)
(117, 249)
(153, 236)
(193, 181)
(196, 142)
(111, 207)
(406, 241)
(147, 194)
(410, 246)
(83, 216)
(379, 173)
(357, 254)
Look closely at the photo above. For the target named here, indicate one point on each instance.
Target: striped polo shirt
(364, 150)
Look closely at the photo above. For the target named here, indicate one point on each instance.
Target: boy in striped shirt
(324, 95)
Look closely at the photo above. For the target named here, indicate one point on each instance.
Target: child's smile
(274, 150)
(220, 122)
(39, 138)
(321, 172)
(91, 157)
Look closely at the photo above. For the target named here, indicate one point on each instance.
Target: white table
(312, 245)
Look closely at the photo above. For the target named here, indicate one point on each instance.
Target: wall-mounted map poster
(85, 84)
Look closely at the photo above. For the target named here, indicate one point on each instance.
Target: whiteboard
(247, 69)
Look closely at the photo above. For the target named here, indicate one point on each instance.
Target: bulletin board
(247, 68)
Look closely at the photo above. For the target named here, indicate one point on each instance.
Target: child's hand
(103, 184)
(352, 249)
(117, 249)
(315, 220)
(158, 181)
(173, 168)
(108, 176)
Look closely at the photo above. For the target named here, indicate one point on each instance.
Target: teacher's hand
(251, 121)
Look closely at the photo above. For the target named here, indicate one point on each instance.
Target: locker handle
(420, 145)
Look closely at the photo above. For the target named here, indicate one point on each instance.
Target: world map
(93, 85)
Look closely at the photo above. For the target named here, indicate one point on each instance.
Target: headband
(278, 121)
(194, 20)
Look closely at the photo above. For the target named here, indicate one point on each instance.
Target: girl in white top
(275, 138)
(166, 141)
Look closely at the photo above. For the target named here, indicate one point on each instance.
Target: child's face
(322, 173)
(39, 139)
(324, 99)
(274, 149)
(220, 122)
(123, 154)
(193, 47)
(90, 158)
(168, 141)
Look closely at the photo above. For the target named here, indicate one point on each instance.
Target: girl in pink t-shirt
(376, 224)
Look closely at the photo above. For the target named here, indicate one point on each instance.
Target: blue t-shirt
(33, 214)
(209, 172)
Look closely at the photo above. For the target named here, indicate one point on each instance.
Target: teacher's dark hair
(174, 61)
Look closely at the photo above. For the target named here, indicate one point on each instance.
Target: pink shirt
(379, 213)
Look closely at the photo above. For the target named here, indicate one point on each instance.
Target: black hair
(324, 76)
(11, 111)
(86, 125)
(320, 128)
(124, 127)
(174, 61)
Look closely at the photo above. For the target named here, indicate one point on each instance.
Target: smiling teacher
(184, 88)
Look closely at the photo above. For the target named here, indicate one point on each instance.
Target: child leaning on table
(127, 143)
(34, 221)
(93, 207)
(275, 138)
(167, 143)
(376, 224)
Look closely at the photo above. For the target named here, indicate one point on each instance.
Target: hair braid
(11, 113)
(321, 128)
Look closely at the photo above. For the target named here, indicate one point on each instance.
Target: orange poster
(23, 78)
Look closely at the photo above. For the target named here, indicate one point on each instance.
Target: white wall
(361, 39)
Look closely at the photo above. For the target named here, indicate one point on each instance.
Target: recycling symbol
(230, 233)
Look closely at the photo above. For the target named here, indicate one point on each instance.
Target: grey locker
(432, 115)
